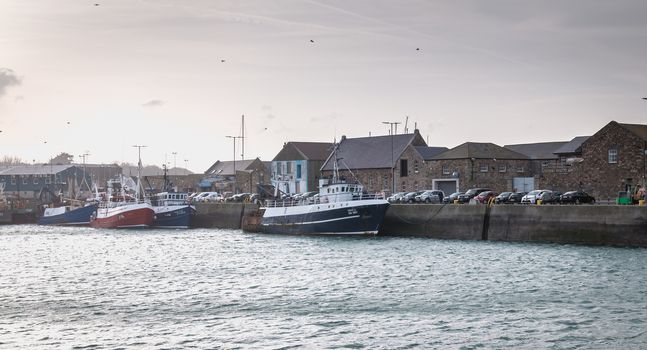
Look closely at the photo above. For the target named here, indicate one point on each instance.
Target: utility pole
(392, 125)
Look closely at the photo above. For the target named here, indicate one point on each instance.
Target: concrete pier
(569, 224)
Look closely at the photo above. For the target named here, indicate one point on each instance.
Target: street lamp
(392, 124)
(234, 138)
(174, 156)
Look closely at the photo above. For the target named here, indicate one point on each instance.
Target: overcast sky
(176, 75)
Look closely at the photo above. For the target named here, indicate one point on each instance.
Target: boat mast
(139, 168)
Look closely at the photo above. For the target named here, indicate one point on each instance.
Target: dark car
(471, 193)
(515, 197)
(577, 197)
(549, 197)
(452, 197)
(410, 197)
(502, 198)
(485, 196)
(431, 196)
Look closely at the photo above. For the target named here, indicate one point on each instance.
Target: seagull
(417, 49)
(222, 60)
(96, 4)
(68, 123)
(312, 41)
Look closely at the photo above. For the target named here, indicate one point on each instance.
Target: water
(96, 289)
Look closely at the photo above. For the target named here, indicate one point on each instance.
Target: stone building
(613, 159)
(381, 162)
(474, 164)
(234, 176)
(29, 181)
(296, 168)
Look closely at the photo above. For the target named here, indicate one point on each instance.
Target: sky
(177, 76)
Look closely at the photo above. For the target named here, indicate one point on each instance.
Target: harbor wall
(568, 224)
(575, 224)
(435, 221)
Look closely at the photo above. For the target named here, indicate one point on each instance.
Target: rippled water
(88, 288)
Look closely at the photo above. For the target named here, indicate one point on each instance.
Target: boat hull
(77, 217)
(362, 217)
(126, 216)
(173, 216)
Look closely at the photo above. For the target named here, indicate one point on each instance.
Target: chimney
(343, 137)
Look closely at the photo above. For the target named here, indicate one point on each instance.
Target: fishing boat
(172, 210)
(120, 209)
(340, 208)
(77, 213)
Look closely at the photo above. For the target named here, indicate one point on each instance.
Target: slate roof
(226, 168)
(541, 150)
(479, 150)
(428, 153)
(372, 152)
(304, 150)
(314, 150)
(638, 129)
(39, 169)
(573, 146)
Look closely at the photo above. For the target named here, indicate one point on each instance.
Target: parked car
(485, 196)
(577, 197)
(431, 196)
(200, 196)
(502, 197)
(471, 193)
(531, 197)
(515, 197)
(452, 197)
(240, 197)
(212, 197)
(394, 198)
(410, 197)
(549, 197)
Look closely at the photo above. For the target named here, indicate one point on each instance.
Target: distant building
(296, 168)
(32, 181)
(380, 161)
(234, 176)
(101, 173)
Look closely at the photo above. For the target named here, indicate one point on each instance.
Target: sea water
(85, 288)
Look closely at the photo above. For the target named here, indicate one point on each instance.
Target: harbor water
(87, 288)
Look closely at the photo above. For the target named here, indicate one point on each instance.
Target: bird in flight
(222, 60)
(96, 4)
(417, 49)
(312, 41)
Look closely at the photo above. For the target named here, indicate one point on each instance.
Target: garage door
(447, 186)
(524, 184)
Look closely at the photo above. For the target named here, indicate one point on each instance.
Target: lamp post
(174, 162)
(392, 124)
(234, 138)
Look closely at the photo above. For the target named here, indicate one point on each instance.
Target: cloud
(7, 79)
(153, 103)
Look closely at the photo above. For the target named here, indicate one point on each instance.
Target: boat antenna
(335, 166)
(139, 169)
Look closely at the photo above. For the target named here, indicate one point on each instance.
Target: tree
(62, 158)
(9, 160)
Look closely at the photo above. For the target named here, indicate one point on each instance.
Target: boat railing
(279, 203)
(111, 204)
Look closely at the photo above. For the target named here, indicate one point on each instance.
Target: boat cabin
(330, 192)
(169, 198)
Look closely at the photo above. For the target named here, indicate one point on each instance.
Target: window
(445, 170)
(35, 180)
(483, 168)
(298, 171)
(613, 156)
(502, 168)
(288, 168)
(278, 168)
(404, 168)
(24, 180)
(48, 180)
(520, 169)
(415, 166)
(13, 180)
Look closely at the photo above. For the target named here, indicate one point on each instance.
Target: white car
(200, 197)
(212, 197)
(531, 197)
